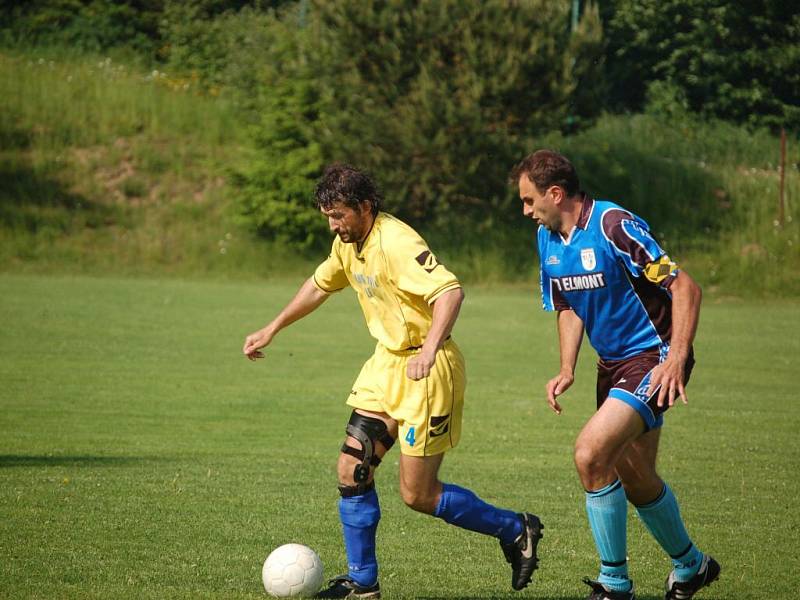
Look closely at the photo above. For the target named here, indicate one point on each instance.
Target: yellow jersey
(396, 278)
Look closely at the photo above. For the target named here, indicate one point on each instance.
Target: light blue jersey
(615, 277)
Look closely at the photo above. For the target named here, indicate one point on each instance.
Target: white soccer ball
(292, 570)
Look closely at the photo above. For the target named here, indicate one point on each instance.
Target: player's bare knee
(361, 452)
(418, 500)
(590, 463)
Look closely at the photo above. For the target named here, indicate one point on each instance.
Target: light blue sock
(462, 508)
(360, 516)
(662, 517)
(607, 509)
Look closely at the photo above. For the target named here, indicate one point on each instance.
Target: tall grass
(108, 167)
(80, 101)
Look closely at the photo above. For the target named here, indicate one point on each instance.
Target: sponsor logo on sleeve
(427, 261)
(659, 270)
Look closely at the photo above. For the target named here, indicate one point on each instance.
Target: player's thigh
(431, 408)
(419, 478)
(605, 436)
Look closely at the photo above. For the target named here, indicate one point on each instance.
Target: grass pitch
(141, 456)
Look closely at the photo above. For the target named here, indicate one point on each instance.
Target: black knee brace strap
(348, 491)
(367, 430)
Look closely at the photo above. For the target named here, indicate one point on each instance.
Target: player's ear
(557, 193)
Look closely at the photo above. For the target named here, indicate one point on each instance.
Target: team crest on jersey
(427, 261)
(588, 259)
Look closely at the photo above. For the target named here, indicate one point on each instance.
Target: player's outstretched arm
(308, 298)
(570, 335)
(445, 312)
(686, 298)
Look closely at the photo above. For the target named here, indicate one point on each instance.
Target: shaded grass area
(143, 457)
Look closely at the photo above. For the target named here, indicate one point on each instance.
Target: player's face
(351, 225)
(539, 206)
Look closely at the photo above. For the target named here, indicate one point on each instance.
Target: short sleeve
(330, 276)
(635, 246)
(418, 272)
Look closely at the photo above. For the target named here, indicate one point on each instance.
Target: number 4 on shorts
(410, 436)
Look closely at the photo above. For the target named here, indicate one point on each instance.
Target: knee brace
(367, 431)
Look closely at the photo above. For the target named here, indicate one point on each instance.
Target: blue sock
(662, 517)
(607, 509)
(360, 516)
(462, 508)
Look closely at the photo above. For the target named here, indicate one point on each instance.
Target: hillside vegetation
(110, 168)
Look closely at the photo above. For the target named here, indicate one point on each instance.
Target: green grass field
(141, 456)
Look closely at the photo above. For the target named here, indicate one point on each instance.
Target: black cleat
(683, 590)
(344, 587)
(600, 592)
(521, 553)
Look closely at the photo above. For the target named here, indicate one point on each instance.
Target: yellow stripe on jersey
(396, 278)
(659, 270)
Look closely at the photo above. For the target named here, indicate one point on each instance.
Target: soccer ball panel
(294, 575)
(292, 570)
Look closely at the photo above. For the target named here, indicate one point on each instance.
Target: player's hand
(419, 367)
(254, 342)
(557, 386)
(669, 375)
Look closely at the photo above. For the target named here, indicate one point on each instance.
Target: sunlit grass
(143, 457)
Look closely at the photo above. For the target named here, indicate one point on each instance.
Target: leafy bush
(276, 185)
(88, 25)
(732, 60)
(434, 99)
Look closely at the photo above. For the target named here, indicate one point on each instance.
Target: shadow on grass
(583, 597)
(25, 191)
(15, 460)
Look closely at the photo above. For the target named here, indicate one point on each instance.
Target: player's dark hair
(545, 168)
(346, 184)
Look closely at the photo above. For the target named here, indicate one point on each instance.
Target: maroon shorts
(629, 380)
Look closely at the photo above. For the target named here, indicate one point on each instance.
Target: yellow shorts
(428, 411)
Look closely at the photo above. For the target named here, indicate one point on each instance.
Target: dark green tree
(435, 99)
(733, 60)
(276, 186)
(92, 25)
